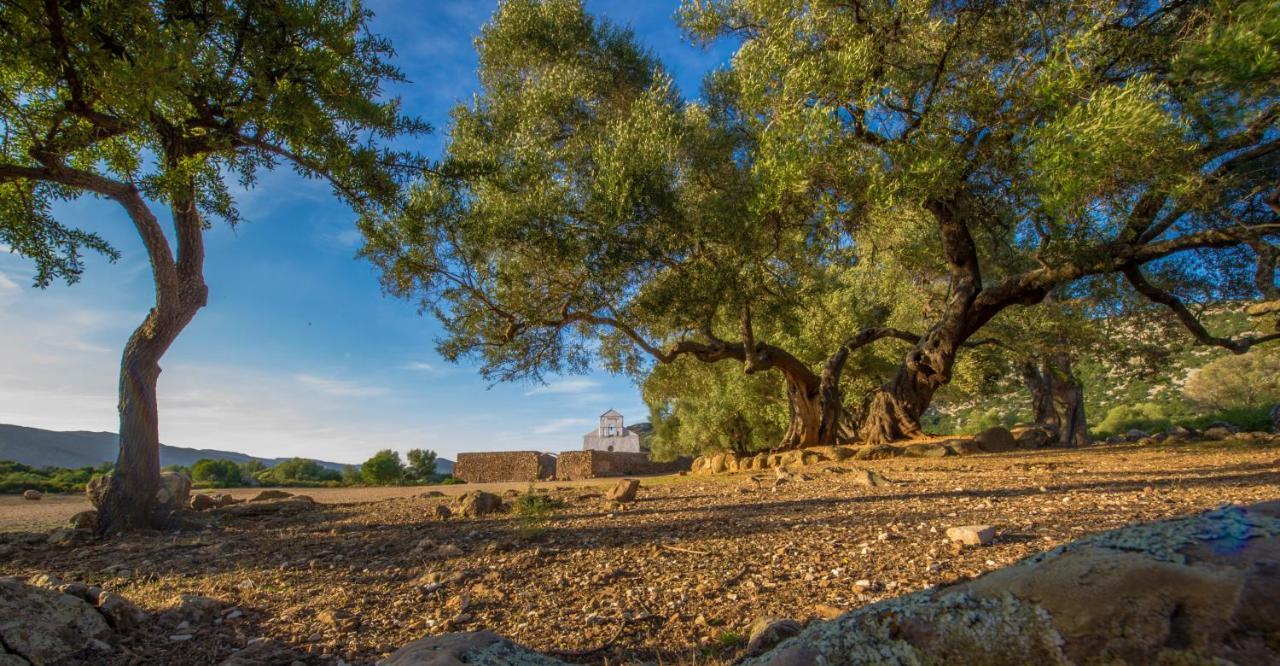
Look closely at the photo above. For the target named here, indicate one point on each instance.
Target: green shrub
(383, 469)
(206, 473)
(534, 506)
(1245, 418)
(1147, 416)
(451, 480)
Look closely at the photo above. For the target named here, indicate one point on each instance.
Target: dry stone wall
(504, 466)
(572, 465)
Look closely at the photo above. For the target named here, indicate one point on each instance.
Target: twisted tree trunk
(1057, 398)
(128, 499)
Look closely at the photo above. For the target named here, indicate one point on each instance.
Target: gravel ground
(675, 577)
(20, 515)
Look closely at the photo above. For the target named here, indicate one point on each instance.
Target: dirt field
(675, 577)
(19, 515)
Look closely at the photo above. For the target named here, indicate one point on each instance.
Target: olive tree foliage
(1234, 382)
(154, 107)
(584, 211)
(1012, 148)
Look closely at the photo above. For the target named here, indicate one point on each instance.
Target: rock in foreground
(1190, 590)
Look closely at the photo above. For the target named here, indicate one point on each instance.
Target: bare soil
(675, 577)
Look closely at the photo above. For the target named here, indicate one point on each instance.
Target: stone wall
(504, 466)
(572, 465)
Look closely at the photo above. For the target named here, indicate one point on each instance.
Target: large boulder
(96, 489)
(1033, 437)
(995, 440)
(477, 648)
(1202, 589)
(175, 491)
(478, 503)
(44, 626)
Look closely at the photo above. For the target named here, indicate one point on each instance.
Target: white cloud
(571, 386)
(426, 368)
(339, 387)
(560, 425)
(7, 284)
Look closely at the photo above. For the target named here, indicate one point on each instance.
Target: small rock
(202, 502)
(972, 535)
(624, 491)
(441, 511)
(270, 495)
(827, 611)
(767, 632)
(121, 613)
(32, 494)
(478, 503)
(85, 520)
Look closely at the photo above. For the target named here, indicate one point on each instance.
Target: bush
(383, 469)
(300, 472)
(1245, 381)
(1255, 419)
(1147, 416)
(16, 477)
(451, 480)
(534, 506)
(206, 473)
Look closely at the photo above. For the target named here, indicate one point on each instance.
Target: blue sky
(298, 352)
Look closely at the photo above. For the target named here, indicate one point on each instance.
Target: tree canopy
(863, 171)
(157, 106)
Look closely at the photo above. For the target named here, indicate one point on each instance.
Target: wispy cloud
(7, 284)
(571, 386)
(560, 425)
(427, 368)
(339, 387)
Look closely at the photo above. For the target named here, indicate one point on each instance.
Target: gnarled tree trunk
(1057, 398)
(180, 292)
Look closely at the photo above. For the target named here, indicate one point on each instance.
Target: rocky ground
(678, 575)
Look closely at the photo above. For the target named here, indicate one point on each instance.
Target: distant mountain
(51, 448)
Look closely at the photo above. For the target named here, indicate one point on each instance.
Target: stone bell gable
(611, 435)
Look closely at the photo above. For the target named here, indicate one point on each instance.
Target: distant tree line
(384, 468)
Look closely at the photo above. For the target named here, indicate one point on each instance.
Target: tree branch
(1134, 275)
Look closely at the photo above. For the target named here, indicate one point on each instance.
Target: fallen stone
(1218, 432)
(870, 479)
(1033, 437)
(121, 613)
(441, 512)
(877, 452)
(202, 502)
(338, 619)
(924, 450)
(972, 535)
(267, 495)
(478, 503)
(962, 446)
(32, 494)
(193, 609)
(624, 491)
(767, 632)
(43, 626)
(85, 520)
(475, 648)
(175, 491)
(995, 440)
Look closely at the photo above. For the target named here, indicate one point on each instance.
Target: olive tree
(153, 106)
(1016, 147)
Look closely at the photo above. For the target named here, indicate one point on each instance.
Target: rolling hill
(52, 448)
